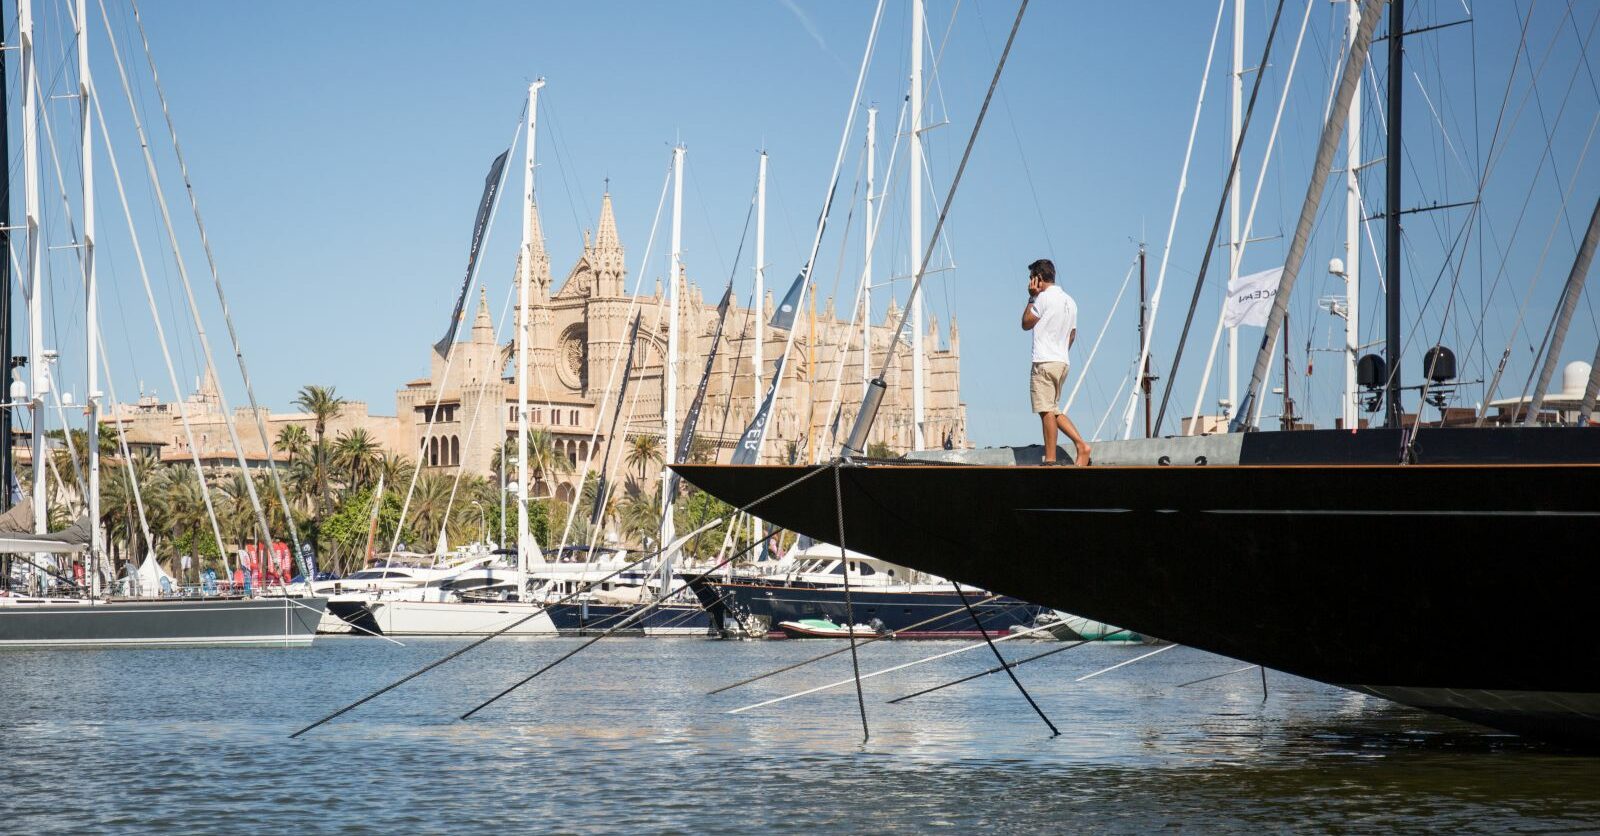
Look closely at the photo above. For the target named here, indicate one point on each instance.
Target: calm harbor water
(623, 738)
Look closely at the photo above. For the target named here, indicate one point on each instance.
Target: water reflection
(624, 738)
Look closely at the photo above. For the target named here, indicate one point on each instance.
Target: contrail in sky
(811, 28)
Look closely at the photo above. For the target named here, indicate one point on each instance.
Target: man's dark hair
(1044, 269)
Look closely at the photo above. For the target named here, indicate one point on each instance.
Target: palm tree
(544, 461)
(395, 468)
(643, 451)
(324, 404)
(428, 506)
(292, 439)
(640, 513)
(357, 454)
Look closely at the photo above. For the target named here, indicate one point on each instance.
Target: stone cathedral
(578, 335)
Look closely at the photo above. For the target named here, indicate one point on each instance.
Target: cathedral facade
(579, 335)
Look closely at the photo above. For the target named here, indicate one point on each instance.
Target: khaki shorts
(1045, 385)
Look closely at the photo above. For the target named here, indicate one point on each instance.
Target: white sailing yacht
(84, 616)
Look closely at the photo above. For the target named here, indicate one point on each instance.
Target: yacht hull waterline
(759, 608)
(1426, 584)
(169, 622)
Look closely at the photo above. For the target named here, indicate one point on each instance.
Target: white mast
(914, 196)
(872, 231)
(30, 176)
(1235, 246)
(757, 353)
(524, 538)
(92, 311)
(669, 395)
(1352, 242)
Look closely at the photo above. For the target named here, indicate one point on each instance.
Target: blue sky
(338, 150)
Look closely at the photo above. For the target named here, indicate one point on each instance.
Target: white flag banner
(1250, 298)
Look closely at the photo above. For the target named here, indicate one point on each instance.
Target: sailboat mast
(758, 350)
(1352, 243)
(523, 280)
(669, 394)
(871, 230)
(1145, 372)
(91, 301)
(5, 284)
(1391, 215)
(30, 179)
(914, 204)
(759, 304)
(1235, 246)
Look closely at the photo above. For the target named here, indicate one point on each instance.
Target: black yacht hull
(1432, 584)
(674, 619)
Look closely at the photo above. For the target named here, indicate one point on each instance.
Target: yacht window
(864, 569)
(836, 569)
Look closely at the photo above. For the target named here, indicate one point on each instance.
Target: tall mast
(1288, 403)
(758, 353)
(524, 537)
(871, 228)
(914, 203)
(669, 395)
(1352, 243)
(30, 179)
(91, 302)
(1391, 215)
(1235, 246)
(1145, 374)
(5, 282)
(759, 304)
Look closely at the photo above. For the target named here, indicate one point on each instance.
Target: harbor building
(155, 427)
(579, 342)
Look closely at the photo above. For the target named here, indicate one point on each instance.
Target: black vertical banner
(686, 438)
(491, 193)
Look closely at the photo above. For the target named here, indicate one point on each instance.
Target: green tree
(357, 457)
(697, 509)
(544, 460)
(347, 527)
(324, 405)
(643, 451)
(294, 440)
(639, 513)
(879, 450)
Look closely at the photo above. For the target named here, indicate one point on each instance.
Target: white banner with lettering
(1250, 298)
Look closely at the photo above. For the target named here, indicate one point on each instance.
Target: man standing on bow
(1052, 316)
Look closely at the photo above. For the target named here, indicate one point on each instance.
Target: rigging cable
(1172, 226)
(161, 337)
(849, 603)
(1216, 222)
(183, 274)
(1249, 222)
(1127, 278)
(864, 419)
(227, 316)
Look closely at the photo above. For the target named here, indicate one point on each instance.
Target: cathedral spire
(539, 278)
(606, 255)
(605, 238)
(483, 324)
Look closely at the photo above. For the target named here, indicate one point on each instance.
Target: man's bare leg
(1071, 429)
(1048, 419)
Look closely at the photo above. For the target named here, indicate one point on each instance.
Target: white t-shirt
(1058, 318)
